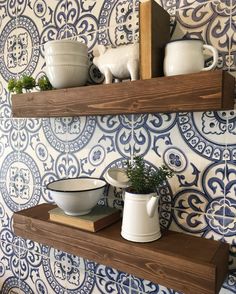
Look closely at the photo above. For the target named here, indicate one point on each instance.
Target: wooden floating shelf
(194, 92)
(178, 261)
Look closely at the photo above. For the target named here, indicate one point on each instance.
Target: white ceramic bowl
(77, 196)
(66, 76)
(65, 46)
(66, 59)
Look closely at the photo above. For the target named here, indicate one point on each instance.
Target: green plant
(28, 83)
(144, 179)
(44, 84)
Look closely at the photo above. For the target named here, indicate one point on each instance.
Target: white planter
(140, 217)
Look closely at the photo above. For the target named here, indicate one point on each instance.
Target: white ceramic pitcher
(140, 221)
(186, 56)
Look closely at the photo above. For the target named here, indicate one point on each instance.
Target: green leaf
(145, 179)
(44, 83)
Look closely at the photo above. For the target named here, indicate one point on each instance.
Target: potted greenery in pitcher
(141, 184)
(140, 217)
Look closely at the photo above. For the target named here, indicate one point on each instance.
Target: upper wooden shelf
(194, 92)
(179, 261)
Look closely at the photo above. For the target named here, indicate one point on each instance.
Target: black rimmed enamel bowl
(77, 196)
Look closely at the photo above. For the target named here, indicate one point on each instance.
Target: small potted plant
(140, 216)
(28, 83)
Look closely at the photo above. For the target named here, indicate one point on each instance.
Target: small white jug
(140, 221)
(186, 56)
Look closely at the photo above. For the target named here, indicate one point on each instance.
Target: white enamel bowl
(66, 76)
(65, 46)
(77, 196)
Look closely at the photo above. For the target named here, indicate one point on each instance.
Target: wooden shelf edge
(161, 261)
(228, 86)
(194, 92)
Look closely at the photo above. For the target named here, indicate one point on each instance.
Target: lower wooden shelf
(178, 261)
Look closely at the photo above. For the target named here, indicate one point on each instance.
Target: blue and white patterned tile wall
(200, 147)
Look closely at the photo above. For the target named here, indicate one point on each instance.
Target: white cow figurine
(118, 63)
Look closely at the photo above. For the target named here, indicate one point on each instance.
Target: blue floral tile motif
(50, 18)
(12, 284)
(158, 125)
(116, 133)
(79, 131)
(210, 22)
(8, 38)
(169, 6)
(117, 22)
(24, 181)
(6, 224)
(9, 259)
(81, 17)
(63, 270)
(207, 138)
(209, 226)
(109, 280)
(19, 47)
(104, 286)
(116, 11)
(5, 102)
(229, 285)
(175, 159)
(9, 133)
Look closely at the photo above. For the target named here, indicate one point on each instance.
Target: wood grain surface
(194, 92)
(154, 34)
(179, 261)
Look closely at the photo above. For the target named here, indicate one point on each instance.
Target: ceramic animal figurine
(118, 63)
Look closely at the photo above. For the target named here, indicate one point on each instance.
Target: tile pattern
(200, 147)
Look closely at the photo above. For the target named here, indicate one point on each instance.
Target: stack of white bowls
(66, 63)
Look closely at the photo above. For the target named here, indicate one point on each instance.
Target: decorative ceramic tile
(90, 39)
(233, 37)
(229, 286)
(115, 12)
(35, 273)
(9, 261)
(197, 184)
(169, 6)
(143, 286)
(55, 268)
(209, 21)
(104, 285)
(40, 153)
(117, 36)
(5, 101)
(229, 134)
(8, 41)
(107, 141)
(191, 222)
(8, 66)
(6, 224)
(46, 143)
(114, 276)
(40, 21)
(229, 228)
(78, 279)
(82, 17)
(205, 133)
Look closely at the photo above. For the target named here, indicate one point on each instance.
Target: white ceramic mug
(186, 56)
